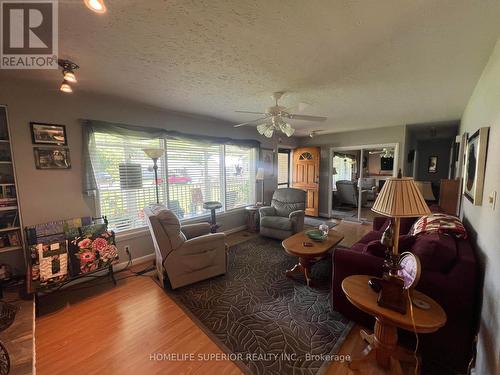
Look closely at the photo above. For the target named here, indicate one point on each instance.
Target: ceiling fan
(384, 153)
(276, 118)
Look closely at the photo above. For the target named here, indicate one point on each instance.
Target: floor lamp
(155, 154)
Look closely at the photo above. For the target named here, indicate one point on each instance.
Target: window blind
(240, 176)
(125, 178)
(283, 169)
(194, 176)
(343, 166)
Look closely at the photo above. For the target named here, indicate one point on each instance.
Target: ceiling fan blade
(307, 117)
(253, 113)
(300, 107)
(250, 122)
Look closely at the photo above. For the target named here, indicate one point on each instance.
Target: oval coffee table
(294, 245)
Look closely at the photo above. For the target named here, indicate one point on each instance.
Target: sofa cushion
(376, 248)
(276, 222)
(405, 225)
(436, 251)
(371, 236)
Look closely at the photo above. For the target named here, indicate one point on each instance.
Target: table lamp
(399, 197)
(259, 176)
(155, 154)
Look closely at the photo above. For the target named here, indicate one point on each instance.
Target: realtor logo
(29, 37)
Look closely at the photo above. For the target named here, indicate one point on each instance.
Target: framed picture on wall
(433, 164)
(48, 134)
(52, 158)
(267, 162)
(475, 165)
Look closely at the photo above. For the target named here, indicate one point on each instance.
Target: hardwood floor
(97, 328)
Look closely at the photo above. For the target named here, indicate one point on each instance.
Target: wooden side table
(382, 344)
(253, 218)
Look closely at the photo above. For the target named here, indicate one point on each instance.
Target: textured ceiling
(361, 63)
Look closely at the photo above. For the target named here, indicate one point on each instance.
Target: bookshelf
(11, 234)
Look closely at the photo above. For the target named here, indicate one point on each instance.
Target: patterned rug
(270, 324)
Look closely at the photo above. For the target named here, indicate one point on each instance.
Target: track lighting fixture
(68, 71)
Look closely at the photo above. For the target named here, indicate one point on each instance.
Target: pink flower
(99, 244)
(108, 253)
(84, 244)
(86, 257)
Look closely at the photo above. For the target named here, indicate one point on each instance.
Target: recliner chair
(285, 216)
(347, 193)
(184, 254)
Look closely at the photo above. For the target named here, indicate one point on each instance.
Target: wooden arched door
(306, 176)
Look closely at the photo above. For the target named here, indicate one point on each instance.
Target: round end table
(383, 343)
(212, 206)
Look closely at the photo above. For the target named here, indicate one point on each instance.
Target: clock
(409, 270)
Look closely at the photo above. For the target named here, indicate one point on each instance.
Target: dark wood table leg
(303, 267)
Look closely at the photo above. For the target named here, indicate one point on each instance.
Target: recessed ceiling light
(96, 5)
(65, 87)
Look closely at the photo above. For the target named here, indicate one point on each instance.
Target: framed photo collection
(52, 155)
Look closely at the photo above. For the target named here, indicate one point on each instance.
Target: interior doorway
(357, 174)
(284, 167)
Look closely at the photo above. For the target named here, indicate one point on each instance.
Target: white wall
(48, 195)
(483, 109)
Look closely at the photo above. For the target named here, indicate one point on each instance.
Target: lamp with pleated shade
(400, 197)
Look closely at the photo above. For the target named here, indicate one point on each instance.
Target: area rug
(268, 323)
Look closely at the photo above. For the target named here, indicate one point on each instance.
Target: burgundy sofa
(450, 275)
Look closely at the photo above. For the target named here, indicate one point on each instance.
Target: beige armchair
(184, 254)
(285, 216)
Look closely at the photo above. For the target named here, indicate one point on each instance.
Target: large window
(189, 174)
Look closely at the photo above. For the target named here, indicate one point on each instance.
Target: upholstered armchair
(369, 184)
(184, 254)
(347, 193)
(285, 216)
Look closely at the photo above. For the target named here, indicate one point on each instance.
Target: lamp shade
(260, 174)
(400, 197)
(154, 153)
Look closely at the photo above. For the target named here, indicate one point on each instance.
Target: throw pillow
(376, 248)
(439, 223)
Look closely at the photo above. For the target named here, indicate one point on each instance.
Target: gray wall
(483, 109)
(392, 134)
(433, 147)
(57, 194)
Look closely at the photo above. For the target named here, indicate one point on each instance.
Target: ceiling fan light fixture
(262, 128)
(96, 6)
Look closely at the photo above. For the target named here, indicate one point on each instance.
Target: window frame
(289, 166)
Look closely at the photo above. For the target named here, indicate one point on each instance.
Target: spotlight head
(65, 87)
(69, 76)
